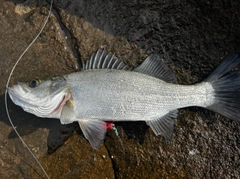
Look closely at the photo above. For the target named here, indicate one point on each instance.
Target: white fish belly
(119, 95)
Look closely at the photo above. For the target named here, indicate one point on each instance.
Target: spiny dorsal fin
(102, 59)
(163, 125)
(154, 66)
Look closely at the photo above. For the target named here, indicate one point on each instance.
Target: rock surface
(192, 36)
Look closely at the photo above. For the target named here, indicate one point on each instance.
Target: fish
(106, 89)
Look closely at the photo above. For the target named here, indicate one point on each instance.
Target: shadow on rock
(27, 125)
(138, 22)
(135, 130)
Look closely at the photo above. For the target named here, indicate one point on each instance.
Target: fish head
(41, 98)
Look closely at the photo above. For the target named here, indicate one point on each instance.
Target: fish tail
(225, 82)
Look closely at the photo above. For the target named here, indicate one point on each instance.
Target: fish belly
(120, 95)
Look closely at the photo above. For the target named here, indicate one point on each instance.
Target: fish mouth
(15, 95)
(12, 93)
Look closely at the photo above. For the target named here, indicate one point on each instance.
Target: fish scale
(108, 95)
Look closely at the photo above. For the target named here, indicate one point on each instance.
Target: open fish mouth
(18, 94)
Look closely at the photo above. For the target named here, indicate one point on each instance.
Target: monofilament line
(7, 85)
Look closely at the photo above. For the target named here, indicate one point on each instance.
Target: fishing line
(119, 138)
(10, 151)
(7, 85)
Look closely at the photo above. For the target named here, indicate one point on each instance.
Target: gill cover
(43, 99)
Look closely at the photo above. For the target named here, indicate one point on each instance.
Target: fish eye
(34, 83)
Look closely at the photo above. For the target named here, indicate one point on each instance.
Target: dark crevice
(70, 40)
(112, 161)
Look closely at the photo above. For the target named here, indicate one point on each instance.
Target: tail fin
(226, 84)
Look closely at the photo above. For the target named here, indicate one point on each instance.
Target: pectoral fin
(67, 115)
(163, 125)
(94, 131)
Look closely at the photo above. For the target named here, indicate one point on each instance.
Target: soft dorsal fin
(102, 59)
(164, 125)
(154, 66)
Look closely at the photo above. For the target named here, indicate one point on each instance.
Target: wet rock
(75, 159)
(193, 37)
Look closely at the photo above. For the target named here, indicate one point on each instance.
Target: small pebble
(21, 9)
(192, 152)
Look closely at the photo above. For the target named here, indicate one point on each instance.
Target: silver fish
(108, 90)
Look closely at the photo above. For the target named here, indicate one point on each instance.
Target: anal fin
(94, 131)
(164, 125)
